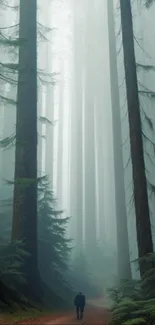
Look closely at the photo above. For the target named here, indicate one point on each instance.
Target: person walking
(80, 302)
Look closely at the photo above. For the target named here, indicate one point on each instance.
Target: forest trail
(95, 314)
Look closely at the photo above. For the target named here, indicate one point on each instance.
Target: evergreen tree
(143, 225)
(9, 44)
(76, 178)
(90, 186)
(124, 268)
(25, 188)
(60, 138)
(54, 247)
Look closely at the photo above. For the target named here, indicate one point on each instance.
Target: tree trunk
(25, 188)
(49, 133)
(100, 118)
(8, 154)
(78, 105)
(143, 225)
(40, 142)
(79, 164)
(60, 140)
(49, 110)
(90, 182)
(124, 268)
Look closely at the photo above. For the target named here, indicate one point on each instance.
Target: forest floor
(95, 314)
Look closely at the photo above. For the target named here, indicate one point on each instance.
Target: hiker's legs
(77, 311)
(81, 312)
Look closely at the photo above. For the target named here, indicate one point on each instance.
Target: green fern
(118, 319)
(139, 313)
(115, 295)
(136, 306)
(128, 303)
(136, 321)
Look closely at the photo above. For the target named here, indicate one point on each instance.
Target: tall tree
(40, 145)
(8, 154)
(49, 132)
(78, 105)
(25, 188)
(73, 165)
(8, 90)
(124, 268)
(90, 182)
(100, 117)
(143, 225)
(49, 107)
(60, 138)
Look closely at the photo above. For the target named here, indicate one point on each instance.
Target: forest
(77, 157)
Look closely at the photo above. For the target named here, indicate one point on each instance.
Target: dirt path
(95, 314)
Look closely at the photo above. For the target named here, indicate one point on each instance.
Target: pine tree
(25, 188)
(124, 268)
(8, 153)
(100, 55)
(143, 225)
(60, 138)
(49, 104)
(12, 257)
(76, 178)
(9, 44)
(90, 186)
(54, 247)
(53, 251)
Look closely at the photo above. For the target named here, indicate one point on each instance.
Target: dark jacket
(80, 300)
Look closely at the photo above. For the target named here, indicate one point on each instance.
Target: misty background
(83, 131)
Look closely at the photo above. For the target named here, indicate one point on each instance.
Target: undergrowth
(134, 302)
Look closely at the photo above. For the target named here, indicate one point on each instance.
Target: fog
(82, 170)
(83, 133)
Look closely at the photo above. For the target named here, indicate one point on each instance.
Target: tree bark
(78, 105)
(40, 144)
(49, 110)
(60, 139)
(143, 225)
(8, 154)
(99, 118)
(25, 188)
(124, 268)
(90, 181)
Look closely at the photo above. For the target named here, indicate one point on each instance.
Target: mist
(72, 125)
